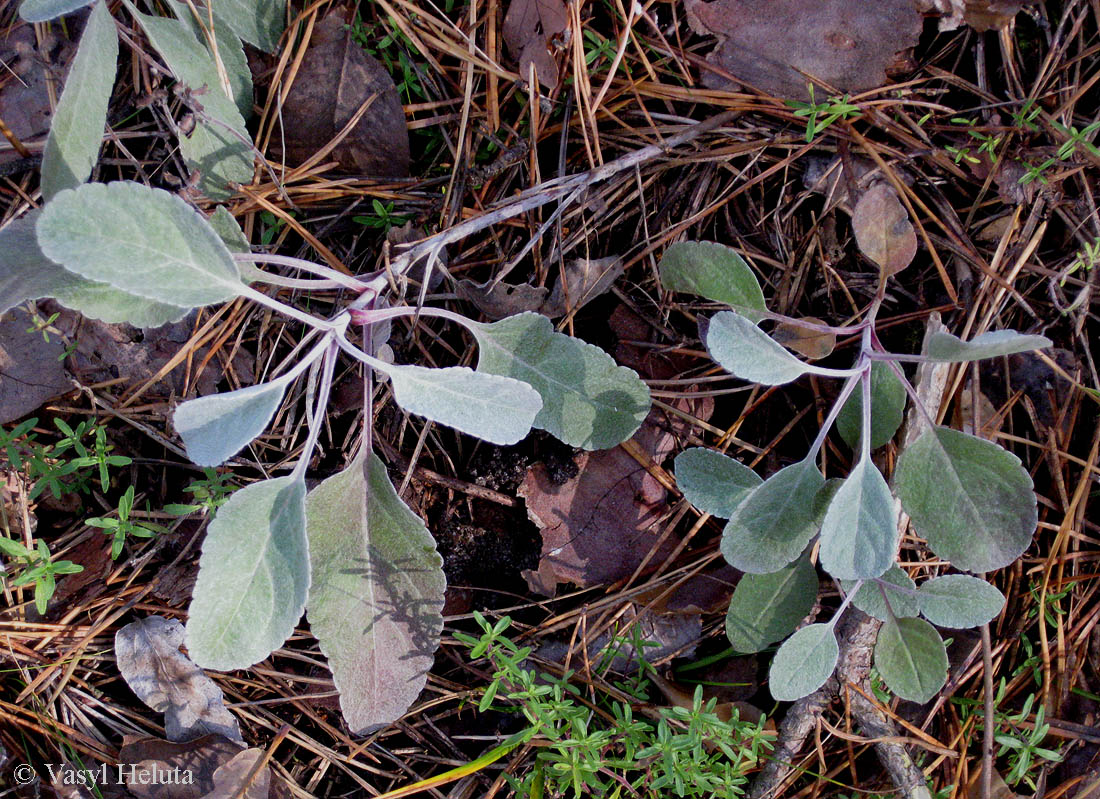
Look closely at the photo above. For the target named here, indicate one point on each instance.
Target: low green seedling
(122, 528)
(598, 748)
(36, 567)
(209, 494)
(821, 115)
(48, 465)
(972, 501)
(349, 553)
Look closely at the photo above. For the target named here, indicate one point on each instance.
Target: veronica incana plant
(971, 500)
(348, 553)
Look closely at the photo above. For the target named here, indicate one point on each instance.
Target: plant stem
(306, 266)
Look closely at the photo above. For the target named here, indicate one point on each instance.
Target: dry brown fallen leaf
(811, 344)
(335, 79)
(149, 659)
(883, 230)
(531, 30)
(240, 779)
(775, 44)
(981, 15)
(599, 526)
(584, 280)
(30, 370)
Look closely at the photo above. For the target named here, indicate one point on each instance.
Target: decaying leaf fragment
(779, 46)
(981, 15)
(811, 344)
(883, 230)
(335, 79)
(531, 29)
(582, 280)
(149, 659)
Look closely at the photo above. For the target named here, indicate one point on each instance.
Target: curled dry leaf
(241, 779)
(602, 524)
(581, 282)
(981, 15)
(883, 230)
(149, 659)
(779, 46)
(812, 344)
(336, 78)
(531, 29)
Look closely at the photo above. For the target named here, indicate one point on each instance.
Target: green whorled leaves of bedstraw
(253, 576)
(143, 241)
(376, 597)
(970, 499)
(588, 400)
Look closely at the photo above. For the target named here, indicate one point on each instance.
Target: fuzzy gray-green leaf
(714, 271)
(773, 524)
(376, 597)
(712, 482)
(767, 607)
(143, 241)
(43, 10)
(803, 663)
(258, 22)
(27, 274)
(859, 536)
(230, 51)
(76, 131)
(911, 658)
(887, 408)
(493, 408)
(972, 500)
(220, 157)
(747, 352)
(943, 346)
(253, 576)
(869, 597)
(959, 600)
(216, 427)
(588, 400)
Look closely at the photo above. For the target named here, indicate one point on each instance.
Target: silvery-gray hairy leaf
(230, 51)
(773, 524)
(76, 131)
(148, 656)
(768, 607)
(803, 663)
(376, 597)
(712, 482)
(493, 408)
(959, 600)
(887, 409)
(253, 576)
(869, 597)
(27, 274)
(217, 155)
(973, 501)
(747, 352)
(911, 658)
(943, 346)
(588, 400)
(143, 241)
(859, 537)
(714, 271)
(234, 239)
(216, 427)
(258, 22)
(43, 10)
